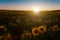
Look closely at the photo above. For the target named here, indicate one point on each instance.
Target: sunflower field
(24, 25)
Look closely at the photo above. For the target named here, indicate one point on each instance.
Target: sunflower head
(42, 29)
(35, 32)
(26, 36)
(1, 26)
(55, 28)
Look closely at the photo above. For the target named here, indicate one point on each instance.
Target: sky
(29, 4)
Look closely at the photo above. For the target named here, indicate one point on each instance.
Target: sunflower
(55, 28)
(26, 36)
(42, 29)
(35, 32)
(1, 26)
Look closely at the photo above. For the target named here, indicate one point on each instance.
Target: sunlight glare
(36, 9)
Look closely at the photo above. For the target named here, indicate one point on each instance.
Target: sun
(36, 9)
